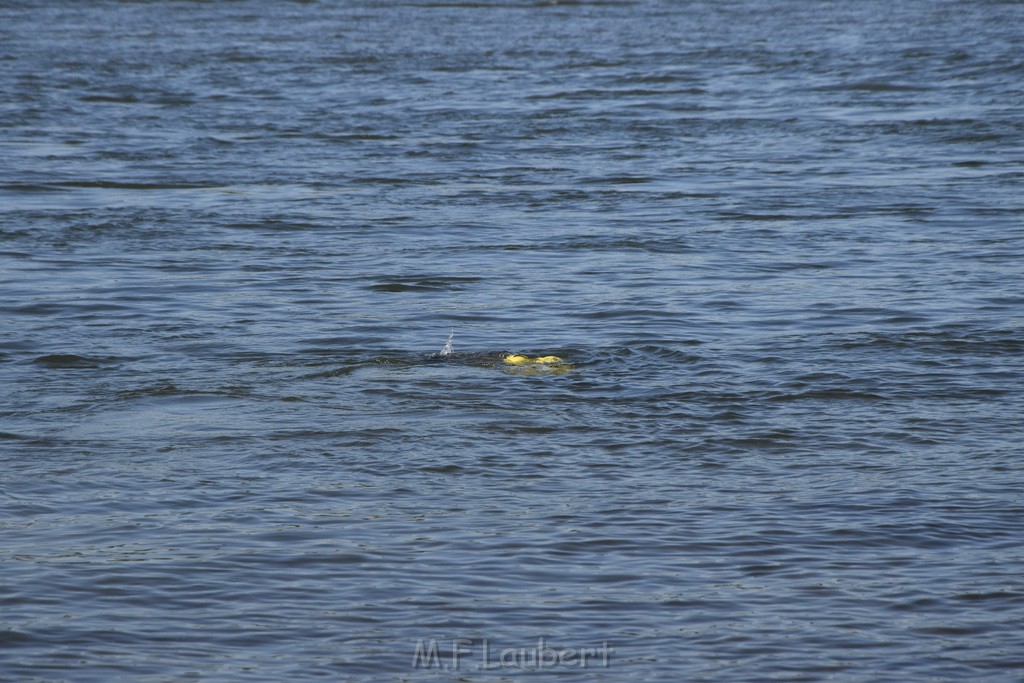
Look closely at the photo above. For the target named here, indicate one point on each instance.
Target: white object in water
(447, 350)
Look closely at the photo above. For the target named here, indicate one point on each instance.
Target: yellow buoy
(518, 359)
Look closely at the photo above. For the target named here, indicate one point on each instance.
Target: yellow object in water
(518, 359)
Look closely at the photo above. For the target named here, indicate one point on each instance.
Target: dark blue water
(781, 245)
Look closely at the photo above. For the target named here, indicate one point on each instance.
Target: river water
(778, 245)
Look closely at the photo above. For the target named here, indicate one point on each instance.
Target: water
(780, 244)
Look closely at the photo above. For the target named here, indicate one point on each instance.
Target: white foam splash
(447, 350)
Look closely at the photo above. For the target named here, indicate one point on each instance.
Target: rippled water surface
(780, 244)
